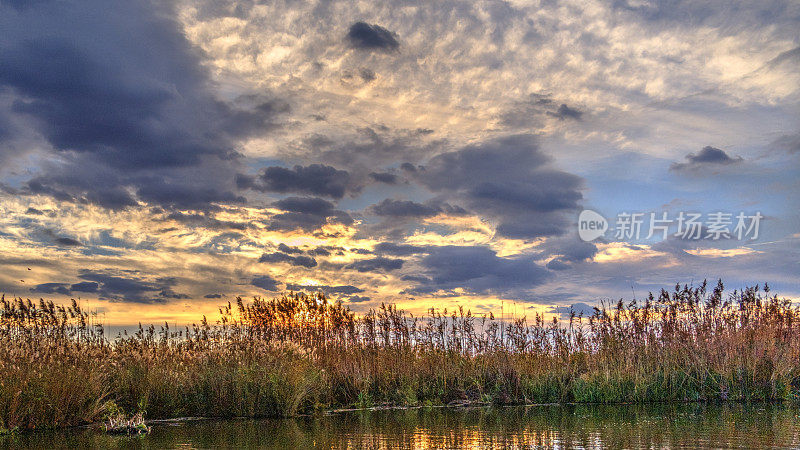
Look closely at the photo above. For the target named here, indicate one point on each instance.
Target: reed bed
(301, 353)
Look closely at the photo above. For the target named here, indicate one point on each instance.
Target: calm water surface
(584, 426)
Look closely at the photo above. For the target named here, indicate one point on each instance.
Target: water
(581, 426)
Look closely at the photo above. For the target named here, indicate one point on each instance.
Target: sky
(160, 159)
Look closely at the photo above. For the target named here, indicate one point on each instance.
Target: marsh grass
(299, 353)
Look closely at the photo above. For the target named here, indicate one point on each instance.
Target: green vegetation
(301, 353)
(117, 422)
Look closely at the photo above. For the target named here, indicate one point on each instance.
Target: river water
(556, 426)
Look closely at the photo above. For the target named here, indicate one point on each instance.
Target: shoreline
(98, 426)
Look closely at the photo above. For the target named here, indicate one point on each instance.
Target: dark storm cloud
(376, 264)
(565, 112)
(68, 242)
(371, 37)
(184, 194)
(321, 251)
(711, 155)
(51, 288)
(212, 296)
(705, 158)
(532, 110)
(390, 248)
(265, 282)
(287, 249)
(568, 250)
(116, 287)
(315, 179)
(529, 196)
(384, 177)
(508, 179)
(478, 270)
(279, 257)
(362, 76)
(339, 290)
(205, 221)
(118, 91)
(127, 287)
(404, 208)
(473, 165)
(557, 264)
(395, 210)
(85, 286)
(408, 167)
(305, 205)
(367, 74)
(306, 213)
(369, 148)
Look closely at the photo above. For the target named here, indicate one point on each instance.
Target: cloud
(408, 167)
(116, 286)
(477, 270)
(85, 286)
(384, 177)
(321, 251)
(508, 180)
(68, 242)
(364, 36)
(532, 110)
(121, 123)
(51, 288)
(286, 249)
(265, 282)
(315, 179)
(788, 142)
(565, 112)
(567, 251)
(790, 56)
(557, 264)
(306, 213)
(404, 208)
(706, 158)
(278, 257)
(363, 149)
(129, 289)
(136, 118)
(390, 248)
(376, 264)
(206, 221)
(360, 77)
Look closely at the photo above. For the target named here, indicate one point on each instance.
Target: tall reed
(299, 353)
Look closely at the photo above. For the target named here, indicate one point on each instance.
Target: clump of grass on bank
(117, 422)
(300, 353)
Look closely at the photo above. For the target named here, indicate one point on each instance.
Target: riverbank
(300, 354)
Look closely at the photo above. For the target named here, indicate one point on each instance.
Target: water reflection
(582, 426)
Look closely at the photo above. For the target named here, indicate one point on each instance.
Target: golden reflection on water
(584, 426)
